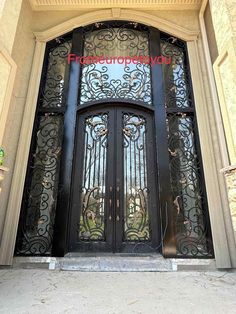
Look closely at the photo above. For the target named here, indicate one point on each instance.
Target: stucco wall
(224, 22)
(22, 54)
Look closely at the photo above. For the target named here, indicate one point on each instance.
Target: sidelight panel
(177, 81)
(52, 94)
(186, 186)
(189, 210)
(40, 199)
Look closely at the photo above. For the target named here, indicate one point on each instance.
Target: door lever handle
(110, 203)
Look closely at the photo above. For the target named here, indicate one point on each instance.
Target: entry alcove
(115, 162)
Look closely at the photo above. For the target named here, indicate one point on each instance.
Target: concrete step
(114, 263)
(117, 264)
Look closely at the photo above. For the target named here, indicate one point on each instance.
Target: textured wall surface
(224, 21)
(231, 182)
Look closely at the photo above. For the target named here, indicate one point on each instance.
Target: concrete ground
(32, 291)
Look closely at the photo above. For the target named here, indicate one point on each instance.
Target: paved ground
(43, 291)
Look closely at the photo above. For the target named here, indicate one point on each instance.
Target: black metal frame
(166, 240)
(114, 228)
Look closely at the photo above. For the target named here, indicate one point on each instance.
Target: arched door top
(122, 14)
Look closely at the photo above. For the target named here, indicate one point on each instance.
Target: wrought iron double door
(114, 205)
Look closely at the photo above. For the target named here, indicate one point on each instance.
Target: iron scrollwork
(38, 213)
(52, 92)
(113, 80)
(136, 218)
(91, 226)
(176, 75)
(36, 228)
(189, 207)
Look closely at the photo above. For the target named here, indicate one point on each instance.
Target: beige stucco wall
(224, 22)
(22, 51)
(22, 54)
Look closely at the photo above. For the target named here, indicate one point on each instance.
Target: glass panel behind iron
(177, 84)
(136, 219)
(52, 93)
(112, 80)
(187, 188)
(39, 203)
(94, 172)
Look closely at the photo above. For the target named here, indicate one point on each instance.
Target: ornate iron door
(114, 204)
(99, 176)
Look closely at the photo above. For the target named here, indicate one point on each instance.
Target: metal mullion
(180, 110)
(60, 243)
(158, 96)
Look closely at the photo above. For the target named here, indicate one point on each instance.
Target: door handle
(110, 204)
(118, 203)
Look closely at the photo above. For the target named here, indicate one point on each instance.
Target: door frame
(114, 228)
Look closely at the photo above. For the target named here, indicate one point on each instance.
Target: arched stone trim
(117, 14)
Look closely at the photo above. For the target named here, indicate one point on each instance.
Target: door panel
(114, 203)
(137, 230)
(90, 228)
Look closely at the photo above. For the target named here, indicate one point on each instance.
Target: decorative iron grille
(114, 80)
(189, 212)
(36, 227)
(189, 206)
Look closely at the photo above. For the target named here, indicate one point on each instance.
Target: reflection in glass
(39, 212)
(112, 80)
(94, 171)
(53, 92)
(177, 92)
(136, 220)
(186, 187)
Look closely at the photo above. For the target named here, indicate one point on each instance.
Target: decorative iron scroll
(39, 205)
(35, 232)
(176, 74)
(112, 80)
(91, 226)
(189, 210)
(52, 92)
(136, 219)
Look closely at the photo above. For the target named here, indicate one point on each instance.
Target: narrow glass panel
(136, 219)
(177, 91)
(94, 174)
(39, 203)
(116, 78)
(191, 217)
(53, 91)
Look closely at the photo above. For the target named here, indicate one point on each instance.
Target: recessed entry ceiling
(42, 5)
